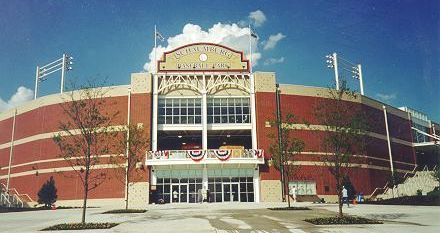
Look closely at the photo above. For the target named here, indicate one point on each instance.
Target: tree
(284, 149)
(48, 193)
(85, 134)
(344, 125)
(133, 145)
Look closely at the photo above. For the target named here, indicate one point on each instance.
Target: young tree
(86, 134)
(284, 149)
(345, 126)
(132, 147)
(48, 193)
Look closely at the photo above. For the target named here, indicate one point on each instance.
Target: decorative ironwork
(203, 83)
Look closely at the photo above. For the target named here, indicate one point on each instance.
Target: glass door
(183, 193)
(231, 192)
(234, 192)
(226, 192)
(174, 193)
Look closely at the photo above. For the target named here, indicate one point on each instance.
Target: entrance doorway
(230, 192)
(179, 193)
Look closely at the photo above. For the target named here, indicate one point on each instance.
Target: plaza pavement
(232, 217)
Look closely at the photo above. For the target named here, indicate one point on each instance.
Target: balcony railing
(206, 156)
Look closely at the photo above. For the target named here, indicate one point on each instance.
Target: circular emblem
(203, 57)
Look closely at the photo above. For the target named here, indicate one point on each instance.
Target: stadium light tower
(64, 64)
(334, 62)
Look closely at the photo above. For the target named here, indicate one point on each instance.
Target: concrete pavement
(231, 217)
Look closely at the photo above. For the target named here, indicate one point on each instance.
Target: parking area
(231, 217)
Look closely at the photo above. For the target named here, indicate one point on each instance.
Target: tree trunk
(286, 189)
(86, 191)
(126, 189)
(340, 204)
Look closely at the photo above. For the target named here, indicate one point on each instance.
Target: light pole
(64, 64)
(332, 62)
(336, 63)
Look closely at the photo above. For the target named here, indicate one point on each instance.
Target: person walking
(293, 193)
(345, 196)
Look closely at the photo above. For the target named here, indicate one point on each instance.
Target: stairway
(13, 199)
(422, 180)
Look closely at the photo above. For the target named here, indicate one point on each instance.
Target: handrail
(385, 187)
(413, 171)
(15, 195)
(6, 197)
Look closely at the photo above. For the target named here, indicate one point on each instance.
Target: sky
(397, 42)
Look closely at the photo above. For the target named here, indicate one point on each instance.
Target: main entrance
(185, 185)
(230, 192)
(179, 193)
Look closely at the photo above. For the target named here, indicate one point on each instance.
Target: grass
(290, 208)
(336, 220)
(125, 211)
(80, 226)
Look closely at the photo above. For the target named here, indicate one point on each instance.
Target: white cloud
(273, 40)
(273, 60)
(231, 35)
(257, 18)
(22, 95)
(386, 97)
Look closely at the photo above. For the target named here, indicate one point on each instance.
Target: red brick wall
(46, 119)
(303, 107)
(266, 112)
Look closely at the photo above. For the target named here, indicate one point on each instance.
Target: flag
(253, 33)
(159, 36)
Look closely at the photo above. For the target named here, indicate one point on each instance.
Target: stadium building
(208, 119)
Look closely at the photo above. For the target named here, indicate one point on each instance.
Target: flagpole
(155, 45)
(250, 49)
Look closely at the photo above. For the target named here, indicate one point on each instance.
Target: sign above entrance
(202, 57)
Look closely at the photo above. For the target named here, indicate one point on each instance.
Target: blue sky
(397, 42)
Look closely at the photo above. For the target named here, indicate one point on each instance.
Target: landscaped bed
(80, 226)
(290, 208)
(336, 220)
(125, 211)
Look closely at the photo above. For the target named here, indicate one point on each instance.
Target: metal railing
(12, 197)
(222, 154)
(386, 186)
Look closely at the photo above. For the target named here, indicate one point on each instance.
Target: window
(228, 110)
(180, 111)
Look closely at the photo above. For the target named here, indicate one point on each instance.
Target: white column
(155, 106)
(256, 184)
(253, 112)
(204, 116)
(388, 139)
(205, 177)
(153, 176)
(11, 150)
(127, 145)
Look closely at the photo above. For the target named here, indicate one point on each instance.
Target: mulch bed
(290, 208)
(336, 220)
(125, 211)
(80, 226)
